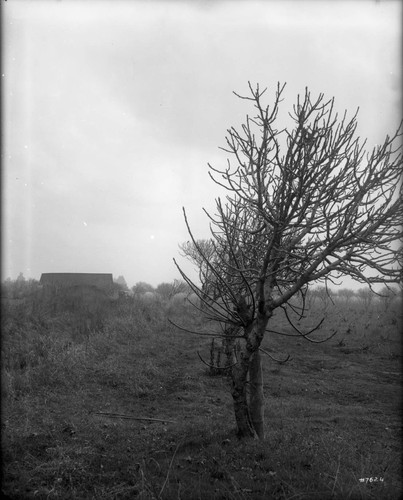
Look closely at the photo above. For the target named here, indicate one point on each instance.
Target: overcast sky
(112, 109)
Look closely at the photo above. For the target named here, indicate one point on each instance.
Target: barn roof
(103, 281)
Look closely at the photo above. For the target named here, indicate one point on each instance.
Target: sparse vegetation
(72, 400)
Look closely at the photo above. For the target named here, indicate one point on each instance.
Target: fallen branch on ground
(130, 417)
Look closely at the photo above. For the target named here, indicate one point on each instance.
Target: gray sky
(112, 109)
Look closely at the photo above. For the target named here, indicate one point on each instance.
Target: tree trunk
(230, 346)
(256, 397)
(239, 395)
(249, 415)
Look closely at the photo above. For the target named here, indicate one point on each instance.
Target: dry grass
(333, 413)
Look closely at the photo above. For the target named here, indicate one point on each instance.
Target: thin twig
(205, 334)
(337, 473)
(130, 417)
(281, 361)
(169, 470)
(215, 367)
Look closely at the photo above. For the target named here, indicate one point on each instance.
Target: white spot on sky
(85, 224)
(152, 237)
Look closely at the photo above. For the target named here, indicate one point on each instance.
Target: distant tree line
(385, 296)
(21, 288)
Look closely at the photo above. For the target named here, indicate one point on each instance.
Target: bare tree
(347, 294)
(168, 290)
(201, 254)
(305, 204)
(366, 296)
(121, 284)
(387, 295)
(323, 293)
(140, 288)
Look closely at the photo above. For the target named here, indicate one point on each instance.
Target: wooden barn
(81, 284)
(103, 281)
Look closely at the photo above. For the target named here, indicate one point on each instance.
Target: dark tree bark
(256, 396)
(240, 398)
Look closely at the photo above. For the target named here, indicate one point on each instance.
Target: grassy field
(78, 408)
